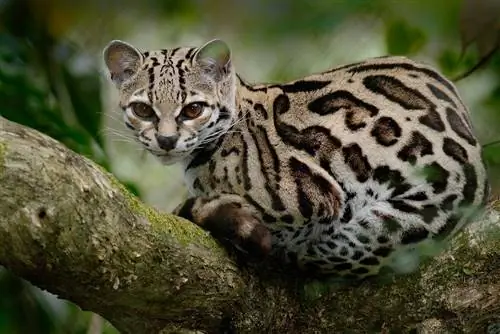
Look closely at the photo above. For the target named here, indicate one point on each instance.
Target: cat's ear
(122, 61)
(215, 58)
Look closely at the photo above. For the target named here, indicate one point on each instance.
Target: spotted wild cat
(338, 172)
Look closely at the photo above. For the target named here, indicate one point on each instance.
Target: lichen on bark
(3, 148)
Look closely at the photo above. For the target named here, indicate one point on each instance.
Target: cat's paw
(232, 223)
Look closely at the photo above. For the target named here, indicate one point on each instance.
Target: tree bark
(69, 227)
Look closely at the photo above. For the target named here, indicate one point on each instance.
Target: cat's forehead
(177, 58)
(165, 74)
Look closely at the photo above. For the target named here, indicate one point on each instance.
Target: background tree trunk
(69, 227)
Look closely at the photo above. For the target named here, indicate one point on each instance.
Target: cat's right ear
(122, 61)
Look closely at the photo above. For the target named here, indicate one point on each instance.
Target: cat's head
(174, 100)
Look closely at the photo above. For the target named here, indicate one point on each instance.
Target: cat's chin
(170, 160)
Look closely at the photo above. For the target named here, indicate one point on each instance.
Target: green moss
(3, 151)
(184, 231)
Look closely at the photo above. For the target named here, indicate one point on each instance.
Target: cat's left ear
(215, 58)
(122, 60)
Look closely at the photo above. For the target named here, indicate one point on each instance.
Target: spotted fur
(339, 172)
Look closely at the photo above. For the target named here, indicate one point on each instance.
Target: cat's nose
(167, 142)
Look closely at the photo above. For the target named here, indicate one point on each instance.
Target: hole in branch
(42, 213)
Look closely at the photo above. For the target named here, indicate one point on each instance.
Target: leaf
(491, 153)
(403, 39)
(480, 26)
(451, 63)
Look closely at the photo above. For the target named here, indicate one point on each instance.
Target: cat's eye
(142, 110)
(192, 110)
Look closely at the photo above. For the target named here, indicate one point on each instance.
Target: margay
(338, 172)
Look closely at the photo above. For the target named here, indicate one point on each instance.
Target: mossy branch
(69, 227)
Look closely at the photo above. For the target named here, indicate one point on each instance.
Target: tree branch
(69, 227)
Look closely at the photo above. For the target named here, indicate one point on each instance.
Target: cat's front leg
(229, 218)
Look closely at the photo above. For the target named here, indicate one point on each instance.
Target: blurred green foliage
(26, 310)
(48, 83)
(39, 88)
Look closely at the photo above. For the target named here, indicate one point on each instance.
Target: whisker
(113, 133)
(115, 116)
(124, 142)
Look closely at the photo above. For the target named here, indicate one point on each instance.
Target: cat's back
(384, 116)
